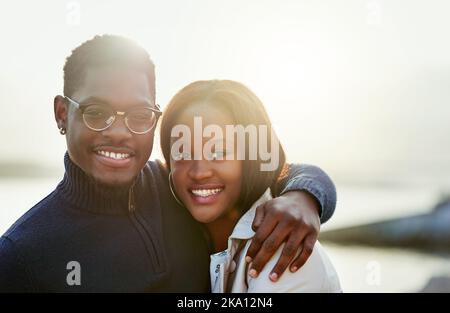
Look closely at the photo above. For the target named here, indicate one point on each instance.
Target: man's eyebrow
(148, 104)
(94, 99)
(98, 100)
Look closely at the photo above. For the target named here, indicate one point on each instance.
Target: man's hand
(292, 218)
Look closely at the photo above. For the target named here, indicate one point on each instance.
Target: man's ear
(61, 111)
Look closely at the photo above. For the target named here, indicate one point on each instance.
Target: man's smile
(116, 157)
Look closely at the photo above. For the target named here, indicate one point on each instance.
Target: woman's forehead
(208, 113)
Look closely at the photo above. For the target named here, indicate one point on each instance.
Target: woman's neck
(221, 229)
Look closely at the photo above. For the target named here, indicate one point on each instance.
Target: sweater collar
(87, 195)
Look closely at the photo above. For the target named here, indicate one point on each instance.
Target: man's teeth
(113, 155)
(206, 192)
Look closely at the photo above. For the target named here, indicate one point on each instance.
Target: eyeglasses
(99, 117)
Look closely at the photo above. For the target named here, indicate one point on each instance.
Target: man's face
(121, 89)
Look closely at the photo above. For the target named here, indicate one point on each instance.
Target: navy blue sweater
(133, 240)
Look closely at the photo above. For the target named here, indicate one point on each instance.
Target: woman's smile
(206, 194)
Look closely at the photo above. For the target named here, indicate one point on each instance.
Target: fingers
(277, 221)
(268, 248)
(291, 248)
(259, 217)
(263, 231)
(308, 247)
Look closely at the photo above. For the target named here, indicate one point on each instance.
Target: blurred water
(365, 204)
(361, 269)
(367, 269)
(18, 195)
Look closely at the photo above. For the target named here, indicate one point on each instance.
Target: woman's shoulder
(316, 275)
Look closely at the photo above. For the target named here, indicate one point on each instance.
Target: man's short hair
(109, 51)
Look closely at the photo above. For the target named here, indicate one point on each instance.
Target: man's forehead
(116, 86)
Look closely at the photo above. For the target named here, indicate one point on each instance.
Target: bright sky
(354, 86)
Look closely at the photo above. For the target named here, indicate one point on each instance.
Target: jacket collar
(243, 228)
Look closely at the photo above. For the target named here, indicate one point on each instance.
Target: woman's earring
(172, 191)
(62, 131)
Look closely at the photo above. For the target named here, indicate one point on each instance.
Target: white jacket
(229, 271)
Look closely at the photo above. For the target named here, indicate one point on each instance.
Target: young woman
(221, 179)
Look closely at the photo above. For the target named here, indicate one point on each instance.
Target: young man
(112, 224)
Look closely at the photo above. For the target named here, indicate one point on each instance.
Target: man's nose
(200, 170)
(118, 129)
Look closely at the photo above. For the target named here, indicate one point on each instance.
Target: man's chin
(113, 182)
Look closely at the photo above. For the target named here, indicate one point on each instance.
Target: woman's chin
(200, 215)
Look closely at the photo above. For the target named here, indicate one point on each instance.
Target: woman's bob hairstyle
(246, 109)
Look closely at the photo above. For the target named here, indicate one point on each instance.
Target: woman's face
(209, 189)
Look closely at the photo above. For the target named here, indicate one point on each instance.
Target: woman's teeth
(206, 192)
(113, 155)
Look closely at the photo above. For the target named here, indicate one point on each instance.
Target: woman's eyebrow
(221, 141)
